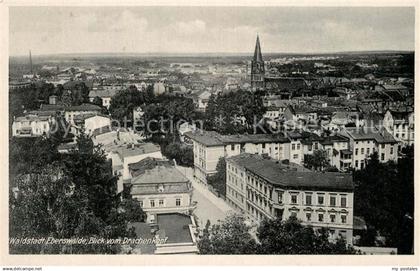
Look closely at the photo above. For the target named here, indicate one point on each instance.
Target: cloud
(128, 22)
(184, 30)
(190, 27)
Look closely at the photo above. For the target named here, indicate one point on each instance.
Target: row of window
(295, 146)
(260, 186)
(234, 180)
(257, 214)
(321, 218)
(160, 203)
(320, 199)
(235, 194)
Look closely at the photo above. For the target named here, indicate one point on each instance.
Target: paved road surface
(209, 206)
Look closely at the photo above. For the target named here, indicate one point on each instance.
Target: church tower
(257, 68)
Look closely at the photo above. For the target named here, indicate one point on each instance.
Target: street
(209, 206)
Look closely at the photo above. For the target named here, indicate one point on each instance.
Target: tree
(163, 117)
(45, 91)
(318, 160)
(218, 180)
(183, 155)
(290, 237)
(234, 112)
(80, 93)
(72, 197)
(97, 101)
(123, 103)
(231, 236)
(384, 197)
(30, 154)
(67, 98)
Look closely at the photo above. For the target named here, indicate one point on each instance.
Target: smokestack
(30, 61)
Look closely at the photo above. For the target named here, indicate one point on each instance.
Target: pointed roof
(257, 53)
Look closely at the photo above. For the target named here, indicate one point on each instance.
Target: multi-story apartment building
(264, 188)
(209, 147)
(296, 153)
(401, 125)
(363, 141)
(337, 149)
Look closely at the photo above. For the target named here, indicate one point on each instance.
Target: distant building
(72, 111)
(268, 189)
(14, 85)
(159, 88)
(201, 99)
(401, 125)
(138, 114)
(363, 141)
(32, 125)
(106, 96)
(53, 99)
(90, 123)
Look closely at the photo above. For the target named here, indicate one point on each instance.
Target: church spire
(257, 53)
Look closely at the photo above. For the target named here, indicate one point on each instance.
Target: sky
(56, 30)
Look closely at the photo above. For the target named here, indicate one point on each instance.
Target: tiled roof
(329, 140)
(106, 93)
(211, 138)
(139, 149)
(153, 188)
(288, 83)
(294, 177)
(160, 174)
(148, 163)
(51, 107)
(31, 118)
(370, 133)
(84, 107)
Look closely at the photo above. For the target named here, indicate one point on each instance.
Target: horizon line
(215, 53)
